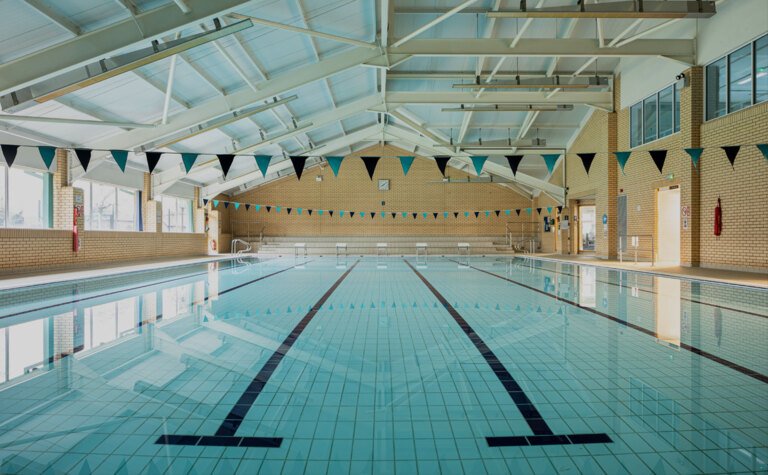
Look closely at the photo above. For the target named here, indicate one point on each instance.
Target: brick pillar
(613, 173)
(198, 216)
(691, 117)
(153, 210)
(213, 230)
(63, 199)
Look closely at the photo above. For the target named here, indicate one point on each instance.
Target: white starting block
(341, 247)
(298, 248)
(382, 249)
(421, 248)
(463, 246)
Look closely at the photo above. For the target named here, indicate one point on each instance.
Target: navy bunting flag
(442, 162)
(351, 214)
(435, 215)
(153, 158)
(289, 210)
(330, 212)
(372, 213)
(559, 209)
(205, 202)
(226, 204)
(659, 157)
(269, 208)
(225, 160)
(586, 160)
(498, 212)
(731, 153)
(189, 160)
(309, 211)
(9, 152)
(247, 206)
(393, 215)
(455, 214)
(370, 165)
(538, 210)
(477, 213)
(517, 211)
(84, 157)
(298, 165)
(47, 154)
(514, 162)
(414, 215)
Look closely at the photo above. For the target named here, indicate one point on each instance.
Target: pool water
(389, 365)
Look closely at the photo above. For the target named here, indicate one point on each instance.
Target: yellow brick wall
(421, 191)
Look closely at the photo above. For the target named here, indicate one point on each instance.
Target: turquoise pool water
(487, 365)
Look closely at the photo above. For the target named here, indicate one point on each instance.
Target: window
(636, 124)
(108, 207)
(737, 80)
(740, 79)
(666, 111)
(649, 119)
(761, 69)
(25, 198)
(177, 215)
(656, 116)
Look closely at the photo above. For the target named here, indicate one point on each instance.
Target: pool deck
(752, 279)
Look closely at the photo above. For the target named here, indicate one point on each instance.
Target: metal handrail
(634, 242)
(235, 242)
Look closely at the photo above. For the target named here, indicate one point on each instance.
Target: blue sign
(605, 218)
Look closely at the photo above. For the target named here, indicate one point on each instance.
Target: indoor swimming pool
(390, 365)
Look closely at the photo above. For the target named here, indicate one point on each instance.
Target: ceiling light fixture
(623, 9)
(551, 82)
(511, 108)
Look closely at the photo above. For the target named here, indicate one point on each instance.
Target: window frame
(676, 93)
(88, 206)
(727, 57)
(190, 227)
(46, 200)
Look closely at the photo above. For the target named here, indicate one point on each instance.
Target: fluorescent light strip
(511, 108)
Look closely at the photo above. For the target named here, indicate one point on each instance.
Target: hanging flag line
(120, 157)
(382, 214)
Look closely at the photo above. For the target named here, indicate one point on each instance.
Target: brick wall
(421, 190)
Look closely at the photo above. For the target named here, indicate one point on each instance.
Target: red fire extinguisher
(75, 237)
(718, 218)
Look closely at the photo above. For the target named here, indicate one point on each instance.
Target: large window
(177, 215)
(738, 79)
(25, 198)
(108, 207)
(656, 116)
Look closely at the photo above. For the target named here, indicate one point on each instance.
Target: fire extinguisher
(718, 218)
(75, 237)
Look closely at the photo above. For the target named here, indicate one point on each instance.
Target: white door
(668, 226)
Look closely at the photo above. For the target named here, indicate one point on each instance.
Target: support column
(153, 210)
(691, 117)
(63, 193)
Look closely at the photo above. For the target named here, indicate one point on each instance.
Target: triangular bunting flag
(247, 207)
(487, 213)
(269, 208)
(528, 210)
(9, 152)
(559, 209)
(257, 208)
(289, 210)
(278, 208)
(237, 205)
(442, 162)
(405, 162)
(695, 154)
(298, 165)
(394, 215)
(477, 213)
(455, 214)
(549, 210)
(226, 204)
(319, 212)
(405, 215)
(517, 211)
(215, 203)
(622, 158)
(551, 160)
(205, 202)
(659, 157)
(435, 215)
(120, 157)
(351, 214)
(84, 157)
(383, 214)
(298, 210)
(466, 214)
(514, 162)
(763, 147)
(48, 153)
(225, 160)
(362, 214)
(586, 160)
(478, 162)
(335, 163)
(414, 215)
(372, 213)
(309, 212)
(507, 212)
(424, 215)
(538, 210)
(263, 162)
(330, 213)
(189, 160)
(370, 165)
(498, 212)
(153, 158)
(731, 153)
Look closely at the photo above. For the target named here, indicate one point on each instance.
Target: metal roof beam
(304, 31)
(55, 17)
(516, 97)
(132, 32)
(432, 23)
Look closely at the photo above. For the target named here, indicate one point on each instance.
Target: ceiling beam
(512, 97)
(304, 31)
(98, 44)
(471, 75)
(433, 22)
(55, 17)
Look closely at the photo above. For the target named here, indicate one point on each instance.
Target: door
(587, 228)
(668, 226)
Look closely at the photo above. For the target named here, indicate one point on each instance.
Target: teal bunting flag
(9, 152)
(405, 215)
(487, 213)
(335, 163)
(298, 210)
(622, 158)
(215, 203)
(48, 153)
(466, 214)
(362, 214)
(507, 212)
(549, 210)
(445, 214)
(478, 162)
(384, 215)
(406, 162)
(551, 160)
(695, 154)
(278, 209)
(763, 147)
(257, 207)
(528, 210)
(263, 162)
(189, 160)
(153, 158)
(320, 212)
(120, 157)
(424, 215)
(341, 213)
(237, 205)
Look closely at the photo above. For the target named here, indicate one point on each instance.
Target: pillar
(691, 117)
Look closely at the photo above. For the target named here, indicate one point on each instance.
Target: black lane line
(543, 435)
(225, 435)
(746, 312)
(106, 294)
(698, 351)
